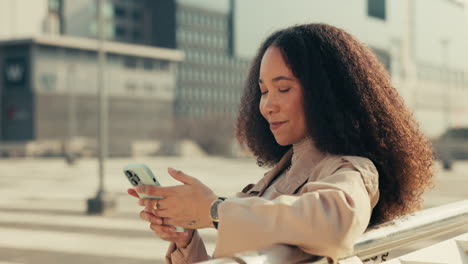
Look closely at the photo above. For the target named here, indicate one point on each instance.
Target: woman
(320, 109)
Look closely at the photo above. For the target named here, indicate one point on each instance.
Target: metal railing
(418, 227)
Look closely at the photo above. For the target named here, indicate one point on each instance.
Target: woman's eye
(263, 92)
(284, 90)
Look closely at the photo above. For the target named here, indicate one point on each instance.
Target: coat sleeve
(194, 252)
(325, 219)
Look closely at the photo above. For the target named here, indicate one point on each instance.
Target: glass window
(189, 37)
(211, 21)
(130, 62)
(181, 35)
(164, 65)
(119, 12)
(113, 58)
(48, 81)
(136, 35)
(376, 8)
(148, 64)
(202, 20)
(120, 31)
(137, 15)
(384, 57)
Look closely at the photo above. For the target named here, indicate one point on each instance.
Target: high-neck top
(305, 155)
(305, 151)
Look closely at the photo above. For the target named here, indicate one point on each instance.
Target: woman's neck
(305, 151)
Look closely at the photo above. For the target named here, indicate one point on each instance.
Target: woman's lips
(276, 125)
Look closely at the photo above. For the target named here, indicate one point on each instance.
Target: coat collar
(302, 174)
(270, 175)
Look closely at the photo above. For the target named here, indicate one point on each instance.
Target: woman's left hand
(185, 205)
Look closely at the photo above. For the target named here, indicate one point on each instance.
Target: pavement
(43, 207)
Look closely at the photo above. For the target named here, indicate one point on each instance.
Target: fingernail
(170, 170)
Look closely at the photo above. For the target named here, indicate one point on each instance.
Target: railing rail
(395, 234)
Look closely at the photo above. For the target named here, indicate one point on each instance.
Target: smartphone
(140, 174)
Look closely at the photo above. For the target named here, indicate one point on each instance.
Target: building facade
(210, 80)
(49, 87)
(421, 42)
(143, 22)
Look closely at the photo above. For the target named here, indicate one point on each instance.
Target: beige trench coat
(322, 210)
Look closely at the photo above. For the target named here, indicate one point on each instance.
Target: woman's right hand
(165, 232)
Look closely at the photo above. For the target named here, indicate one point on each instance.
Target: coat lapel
(299, 175)
(271, 175)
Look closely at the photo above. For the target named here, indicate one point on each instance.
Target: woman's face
(281, 103)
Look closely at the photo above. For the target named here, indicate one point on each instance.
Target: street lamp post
(102, 203)
(70, 156)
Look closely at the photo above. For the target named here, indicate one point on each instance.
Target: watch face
(214, 210)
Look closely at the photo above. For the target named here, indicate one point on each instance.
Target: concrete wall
(62, 71)
(130, 119)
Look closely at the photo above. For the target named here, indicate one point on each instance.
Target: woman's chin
(282, 142)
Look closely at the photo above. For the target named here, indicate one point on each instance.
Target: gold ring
(156, 205)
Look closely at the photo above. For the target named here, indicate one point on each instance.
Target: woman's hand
(165, 232)
(185, 205)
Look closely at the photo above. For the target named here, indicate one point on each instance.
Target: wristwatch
(214, 211)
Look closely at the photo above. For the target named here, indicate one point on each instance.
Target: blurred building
(422, 43)
(49, 86)
(143, 22)
(209, 81)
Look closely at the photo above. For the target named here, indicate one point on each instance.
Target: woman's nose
(271, 104)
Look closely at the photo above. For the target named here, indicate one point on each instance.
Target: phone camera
(129, 174)
(132, 177)
(135, 177)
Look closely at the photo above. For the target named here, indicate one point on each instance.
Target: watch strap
(216, 203)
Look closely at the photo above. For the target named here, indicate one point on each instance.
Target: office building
(49, 90)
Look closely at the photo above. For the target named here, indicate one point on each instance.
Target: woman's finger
(133, 193)
(150, 203)
(143, 202)
(162, 213)
(150, 218)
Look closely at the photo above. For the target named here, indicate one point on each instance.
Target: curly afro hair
(351, 108)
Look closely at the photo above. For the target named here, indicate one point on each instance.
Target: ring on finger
(156, 205)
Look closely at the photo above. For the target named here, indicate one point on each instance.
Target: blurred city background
(159, 82)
